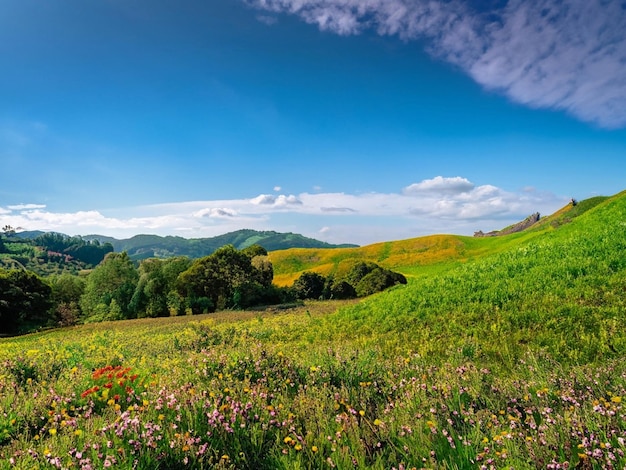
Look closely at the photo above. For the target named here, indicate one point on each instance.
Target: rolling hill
(418, 256)
(500, 352)
(150, 246)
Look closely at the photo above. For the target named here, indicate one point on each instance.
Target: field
(504, 352)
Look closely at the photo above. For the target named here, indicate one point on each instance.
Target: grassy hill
(500, 352)
(421, 256)
(149, 246)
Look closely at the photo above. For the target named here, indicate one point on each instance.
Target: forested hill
(149, 246)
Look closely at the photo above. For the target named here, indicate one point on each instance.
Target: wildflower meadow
(514, 359)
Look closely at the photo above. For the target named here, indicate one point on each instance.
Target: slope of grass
(423, 256)
(510, 355)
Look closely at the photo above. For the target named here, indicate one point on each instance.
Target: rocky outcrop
(518, 227)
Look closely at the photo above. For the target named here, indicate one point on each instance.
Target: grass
(500, 352)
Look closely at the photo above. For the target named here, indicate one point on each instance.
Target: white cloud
(442, 185)
(216, 212)
(277, 188)
(283, 200)
(19, 207)
(437, 205)
(557, 54)
(263, 199)
(277, 201)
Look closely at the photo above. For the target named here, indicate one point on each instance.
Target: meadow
(506, 352)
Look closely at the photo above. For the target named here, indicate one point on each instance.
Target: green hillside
(148, 246)
(500, 352)
(560, 290)
(421, 256)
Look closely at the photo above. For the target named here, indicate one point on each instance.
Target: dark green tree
(377, 280)
(254, 250)
(309, 285)
(25, 301)
(340, 290)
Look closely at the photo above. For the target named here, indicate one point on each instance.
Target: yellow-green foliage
(404, 255)
(421, 256)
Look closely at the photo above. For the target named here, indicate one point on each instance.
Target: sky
(348, 121)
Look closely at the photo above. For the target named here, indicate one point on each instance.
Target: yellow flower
(52, 431)
(362, 412)
(298, 447)
(78, 432)
(378, 422)
(287, 440)
(161, 417)
(616, 399)
(225, 457)
(314, 449)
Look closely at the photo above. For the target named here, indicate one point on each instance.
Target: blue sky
(349, 121)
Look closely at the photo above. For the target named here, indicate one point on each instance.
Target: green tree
(157, 278)
(113, 279)
(67, 289)
(254, 250)
(368, 278)
(228, 278)
(340, 290)
(377, 280)
(309, 285)
(263, 265)
(25, 301)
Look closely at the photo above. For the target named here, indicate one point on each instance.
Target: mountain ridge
(144, 246)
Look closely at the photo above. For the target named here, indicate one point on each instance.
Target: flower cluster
(113, 386)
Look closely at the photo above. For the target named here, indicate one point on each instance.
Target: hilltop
(53, 253)
(154, 246)
(422, 255)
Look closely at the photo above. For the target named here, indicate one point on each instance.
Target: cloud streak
(440, 204)
(567, 55)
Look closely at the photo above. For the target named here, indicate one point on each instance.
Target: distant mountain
(150, 246)
(28, 234)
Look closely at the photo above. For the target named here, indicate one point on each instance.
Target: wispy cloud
(568, 55)
(437, 205)
(19, 207)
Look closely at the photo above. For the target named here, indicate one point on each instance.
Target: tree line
(51, 252)
(117, 288)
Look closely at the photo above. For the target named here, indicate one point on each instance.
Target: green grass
(500, 352)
